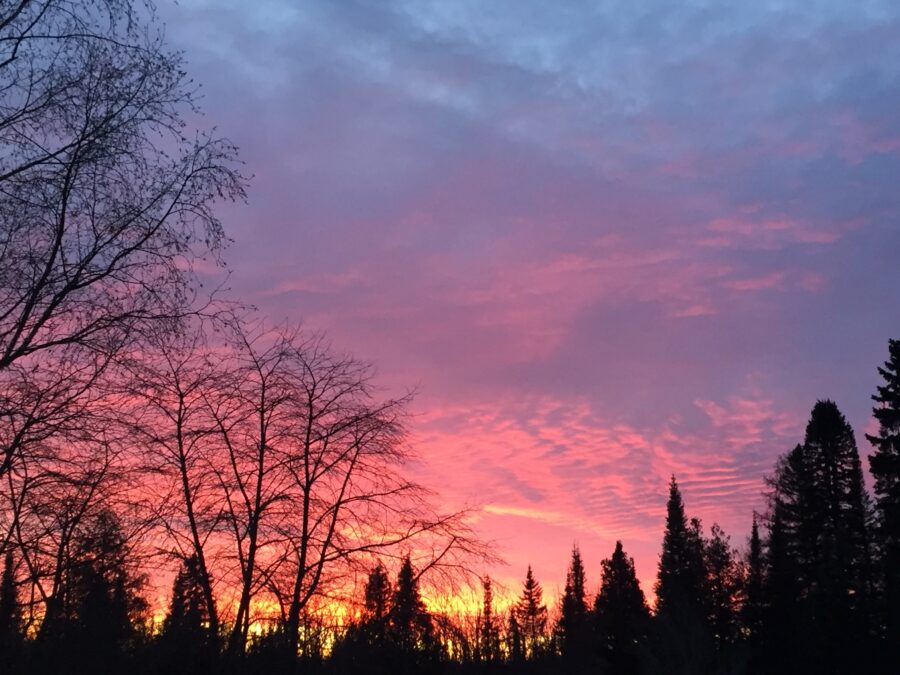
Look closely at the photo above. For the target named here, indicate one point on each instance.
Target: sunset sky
(606, 241)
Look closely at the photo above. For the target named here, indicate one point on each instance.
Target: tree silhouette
(515, 646)
(820, 564)
(531, 616)
(753, 608)
(683, 637)
(573, 627)
(488, 630)
(410, 629)
(885, 466)
(377, 595)
(724, 586)
(621, 614)
(10, 615)
(680, 579)
(186, 633)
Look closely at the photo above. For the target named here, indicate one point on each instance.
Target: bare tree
(105, 200)
(284, 472)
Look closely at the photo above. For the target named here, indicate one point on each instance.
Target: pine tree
(410, 627)
(821, 540)
(515, 648)
(753, 609)
(531, 615)
(842, 580)
(620, 612)
(186, 638)
(885, 466)
(724, 585)
(377, 595)
(488, 631)
(680, 579)
(10, 616)
(783, 619)
(573, 627)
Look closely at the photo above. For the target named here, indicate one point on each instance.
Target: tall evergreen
(724, 586)
(820, 565)
(573, 627)
(683, 641)
(531, 615)
(884, 463)
(10, 616)
(621, 615)
(753, 608)
(186, 640)
(377, 595)
(488, 631)
(410, 628)
(515, 646)
(680, 579)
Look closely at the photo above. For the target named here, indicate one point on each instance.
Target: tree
(680, 579)
(100, 604)
(683, 637)
(753, 608)
(884, 463)
(621, 615)
(377, 596)
(515, 648)
(573, 627)
(820, 565)
(410, 628)
(531, 616)
(724, 586)
(105, 203)
(488, 631)
(187, 631)
(10, 614)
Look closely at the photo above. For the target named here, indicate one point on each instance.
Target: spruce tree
(724, 585)
(621, 615)
(884, 463)
(573, 627)
(410, 628)
(187, 643)
(515, 648)
(10, 616)
(377, 595)
(753, 608)
(531, 616)
(821, 539)
(488, 631)
(680, 579)
(683, 639)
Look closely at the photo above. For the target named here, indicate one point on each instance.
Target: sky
(606, 242)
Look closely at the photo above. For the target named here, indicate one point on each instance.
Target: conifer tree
(724, 585)
(680, 579)
(377, 595)
(10, 615)
(782, 610)
(884, 463)
(531, 616)
(515, 648)
(186, 638)
(620, 612)
(820, 563)
(488, 631)
(753, 608)
(410, 627)
(573, 627)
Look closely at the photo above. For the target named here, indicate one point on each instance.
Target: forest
(153, 427)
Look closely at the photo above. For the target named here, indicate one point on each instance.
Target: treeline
(814, 591)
